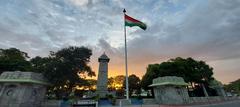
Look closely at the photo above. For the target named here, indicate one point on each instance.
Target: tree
(191, 70)
(111, 85)
(116, 84)
(133, 84)
(152, 72)
(233, 86)
(40, 64)
(65, 69)
(88, 84)
(13, 59)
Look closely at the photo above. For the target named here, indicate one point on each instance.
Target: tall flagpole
(126, 62)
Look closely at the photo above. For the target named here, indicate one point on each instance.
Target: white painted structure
(102, 76)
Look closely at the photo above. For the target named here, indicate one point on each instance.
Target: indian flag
(129, 21)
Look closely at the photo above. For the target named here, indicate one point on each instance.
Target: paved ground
(223, 104)
(235, 103)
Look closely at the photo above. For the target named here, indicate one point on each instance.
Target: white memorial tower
(102, 75)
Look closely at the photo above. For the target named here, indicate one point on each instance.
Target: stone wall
(211, 99)
(51, 103)
(171, 95)
(170, 90)
(22, 94)
(205, 99)
(21, 89)
(149, 101)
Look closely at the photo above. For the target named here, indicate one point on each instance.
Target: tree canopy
(133, 84)
(65, 68)
(116, 83)
(233, 86)
(191, 70)
(13, 59)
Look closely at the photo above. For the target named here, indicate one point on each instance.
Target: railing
(85, 103)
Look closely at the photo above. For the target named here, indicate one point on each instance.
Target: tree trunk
(191, 84)
(152, 92)
(204, 90)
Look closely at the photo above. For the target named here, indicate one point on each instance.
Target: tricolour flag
(129, 21)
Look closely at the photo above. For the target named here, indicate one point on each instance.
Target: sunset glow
(205, 30)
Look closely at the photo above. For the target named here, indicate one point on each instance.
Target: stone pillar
(102, 76)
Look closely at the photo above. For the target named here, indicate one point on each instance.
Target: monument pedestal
(102, 94)
(22, 89)
(170, 90)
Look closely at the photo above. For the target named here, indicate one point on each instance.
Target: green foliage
(190, 69)
(152, 72)
(111, 84)
(97, 97)
(65, 69)
(13, 59)
(40, 64)
(133, 84)
(116, 83)
(111, 98)
(119, 79)
(88, 84)
(233, 87)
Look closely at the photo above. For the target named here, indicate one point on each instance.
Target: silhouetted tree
(133, 84)
(13, 59)
(65, 69)
(233, 86)
(116, 84)
(191, 70)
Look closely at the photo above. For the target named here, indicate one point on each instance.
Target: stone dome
(103, 57)
(168, 80)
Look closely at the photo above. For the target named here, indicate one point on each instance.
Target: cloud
(80, 2)
(208, 32)
(55, 23)
(205, 30)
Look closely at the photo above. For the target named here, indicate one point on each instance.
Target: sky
(207, 30)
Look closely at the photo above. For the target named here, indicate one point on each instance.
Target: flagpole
(126, 62)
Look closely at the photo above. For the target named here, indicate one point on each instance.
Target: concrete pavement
(235, 103)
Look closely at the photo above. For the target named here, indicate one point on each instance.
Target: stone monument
(170, 90)
(22, 89)
(218, 86)
(102, 80)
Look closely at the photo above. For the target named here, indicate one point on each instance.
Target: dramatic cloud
(202, 29)
(207, 32)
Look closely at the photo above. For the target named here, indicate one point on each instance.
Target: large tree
(40, 64)
(65, 69)
(133, 84)
(13, 59)
(191, 70)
